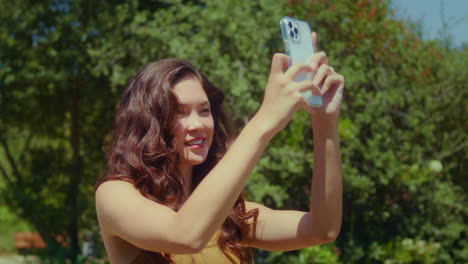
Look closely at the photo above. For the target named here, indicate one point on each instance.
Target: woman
(172, 190)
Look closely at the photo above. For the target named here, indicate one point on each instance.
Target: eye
(206, 111)
(182, 112)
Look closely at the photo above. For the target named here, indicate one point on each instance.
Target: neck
(186, 173)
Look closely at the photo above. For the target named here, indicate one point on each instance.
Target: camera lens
(290, 24)
(295, 30)
(291, 34)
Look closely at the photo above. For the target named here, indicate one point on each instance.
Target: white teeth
(195, 142)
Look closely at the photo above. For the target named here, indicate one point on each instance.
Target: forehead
(189, 90)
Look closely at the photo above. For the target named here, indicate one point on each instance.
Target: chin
(193, 161)
(193, 158)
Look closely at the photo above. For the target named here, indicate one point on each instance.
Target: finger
(321, 74)
(304, 86)
(337, 94)
(314, 41)
(279, 63)
(334, 80)
(296, 69)
(318, 59)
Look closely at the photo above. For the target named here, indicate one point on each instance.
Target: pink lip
(195, 146)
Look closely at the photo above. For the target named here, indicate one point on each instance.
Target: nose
(194, 122)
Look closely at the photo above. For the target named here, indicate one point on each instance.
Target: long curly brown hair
(143, 152)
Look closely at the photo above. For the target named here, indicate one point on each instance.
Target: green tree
(63, 65)
(398, 181)
(55, 114)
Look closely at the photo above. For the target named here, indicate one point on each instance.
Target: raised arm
(282, 230)
(126, 214)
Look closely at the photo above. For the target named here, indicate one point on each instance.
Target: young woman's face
(194, 127)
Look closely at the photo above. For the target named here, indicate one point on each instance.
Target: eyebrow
(202, 104)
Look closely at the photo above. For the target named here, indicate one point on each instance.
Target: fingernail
(313, 65)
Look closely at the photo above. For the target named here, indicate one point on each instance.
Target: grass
(9, 224)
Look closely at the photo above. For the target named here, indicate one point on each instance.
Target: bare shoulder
(123, 211)
(108, 189)
(109, 195)
(129, 221)
(253, 205)
(263, 214)
(111, 198)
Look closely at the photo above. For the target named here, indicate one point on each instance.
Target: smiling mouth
(195, 143)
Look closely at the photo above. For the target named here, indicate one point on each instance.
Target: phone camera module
(293, 30)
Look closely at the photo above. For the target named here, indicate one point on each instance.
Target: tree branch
(25, 148)
(12, 162)
(5, 175)
(446, 154)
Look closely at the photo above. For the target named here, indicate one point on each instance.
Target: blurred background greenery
(403, 127)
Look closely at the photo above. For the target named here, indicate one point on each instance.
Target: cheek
(210, 125)
(178, 131)
(210, 129)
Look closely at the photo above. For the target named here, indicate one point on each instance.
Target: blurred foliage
(63, 65)
(325, 254)
(9, 224)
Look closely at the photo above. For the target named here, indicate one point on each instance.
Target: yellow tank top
(211, 254)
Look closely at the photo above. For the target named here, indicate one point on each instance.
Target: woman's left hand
(331, 85)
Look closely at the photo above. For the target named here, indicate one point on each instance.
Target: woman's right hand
(283, 95)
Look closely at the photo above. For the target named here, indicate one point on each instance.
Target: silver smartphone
(297, 40)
